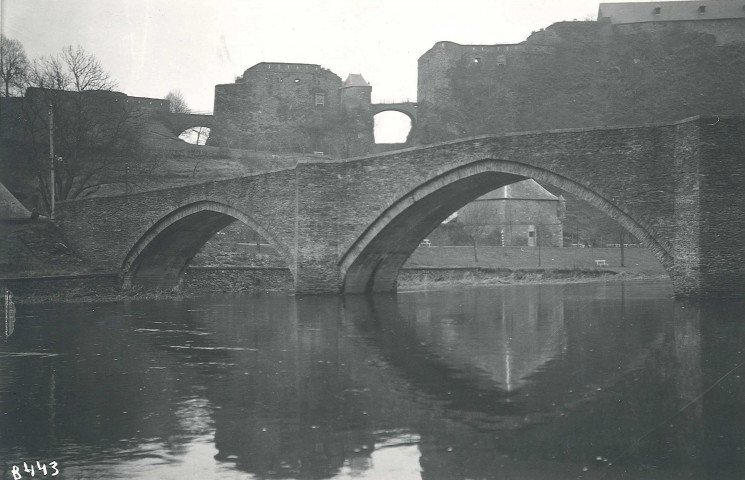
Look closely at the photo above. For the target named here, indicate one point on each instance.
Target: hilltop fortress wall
(581, 74)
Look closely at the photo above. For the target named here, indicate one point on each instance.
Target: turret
(355, 92)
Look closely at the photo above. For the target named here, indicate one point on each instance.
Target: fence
(9, 314)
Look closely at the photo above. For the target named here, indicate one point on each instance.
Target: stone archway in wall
(373, 261)
(390, 124)
(195, 135)
(160, 257)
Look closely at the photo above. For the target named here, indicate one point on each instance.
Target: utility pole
(51, 159)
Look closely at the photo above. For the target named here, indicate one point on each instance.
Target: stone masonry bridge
(407, 108)
(180, 122)
(349, 225)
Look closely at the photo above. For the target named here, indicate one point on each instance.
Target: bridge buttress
(709, 243)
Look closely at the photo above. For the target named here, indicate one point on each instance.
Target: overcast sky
(153, 46)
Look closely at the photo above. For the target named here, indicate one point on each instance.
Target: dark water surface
(525, 382)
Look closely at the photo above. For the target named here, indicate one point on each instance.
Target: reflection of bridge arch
(372, 263)
(159, 258)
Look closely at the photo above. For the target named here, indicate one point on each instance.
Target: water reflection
(522, 381)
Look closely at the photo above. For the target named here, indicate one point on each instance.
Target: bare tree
(97, 132)
(13, 65)
(86, 72)
(478, 222)
(73, 69)
(177, 101)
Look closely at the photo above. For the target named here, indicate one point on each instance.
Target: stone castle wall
(726, 31)
(581, 74)
(434, 65)
(275, 106)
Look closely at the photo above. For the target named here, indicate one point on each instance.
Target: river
(524, 381)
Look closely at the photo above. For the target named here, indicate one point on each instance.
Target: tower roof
(355, 80)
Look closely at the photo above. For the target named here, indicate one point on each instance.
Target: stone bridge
(178, 123)
(407, 108)
(349, 225)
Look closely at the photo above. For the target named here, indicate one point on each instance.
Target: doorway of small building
(391, 128)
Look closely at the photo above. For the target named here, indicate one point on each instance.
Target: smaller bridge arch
(180, 122)
(407, 108)
(158, 258)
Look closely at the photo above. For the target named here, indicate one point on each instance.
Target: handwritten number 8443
(41, 468)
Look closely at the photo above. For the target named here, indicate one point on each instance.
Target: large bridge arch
(373, 261)
(159, 257)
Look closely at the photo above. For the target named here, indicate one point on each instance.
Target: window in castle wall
(477, 60)
(501, 60)
(297, 80)
(320, 99)
(702, 9)
(656, 10)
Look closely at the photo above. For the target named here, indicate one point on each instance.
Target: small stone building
(521, 214)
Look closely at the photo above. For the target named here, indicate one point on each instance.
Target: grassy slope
(635, 259)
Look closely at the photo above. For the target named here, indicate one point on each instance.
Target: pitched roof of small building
(10, 207)
(355, 80)
(525, 190)
(671, 11)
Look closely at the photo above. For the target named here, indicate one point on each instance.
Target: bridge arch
(372, 262)
(195, 135)
(407, 108)
(158, 258)
(180, 122)
(392, 127)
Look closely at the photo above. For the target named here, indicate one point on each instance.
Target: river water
(526, 382)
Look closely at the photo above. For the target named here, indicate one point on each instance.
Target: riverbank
(40, 268)
(104, 287)
(427, 279)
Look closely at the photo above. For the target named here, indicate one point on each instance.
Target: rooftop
(355, 80)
